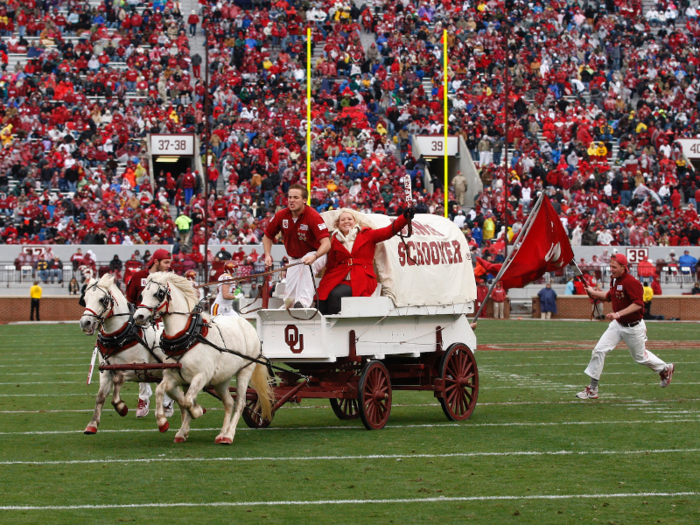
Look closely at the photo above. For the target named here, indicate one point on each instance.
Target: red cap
(159, 255)
(620, 259)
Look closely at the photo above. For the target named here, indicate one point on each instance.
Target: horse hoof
(90, 430)
(179, 439)
(122, 409)
(164, 427)
(224, 441)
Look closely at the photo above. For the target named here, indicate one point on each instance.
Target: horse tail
(260, 381)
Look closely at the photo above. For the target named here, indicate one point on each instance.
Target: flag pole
(447, 182)
(308, 115)
(523, 233)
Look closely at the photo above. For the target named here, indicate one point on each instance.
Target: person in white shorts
(223, 305)
(626, 325)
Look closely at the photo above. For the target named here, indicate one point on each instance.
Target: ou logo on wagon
(292, 337)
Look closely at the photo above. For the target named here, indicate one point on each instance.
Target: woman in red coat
(350, 265)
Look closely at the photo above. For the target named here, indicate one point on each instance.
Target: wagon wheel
(461, 378)
(252, 417)
(345, 408)
(374, 395)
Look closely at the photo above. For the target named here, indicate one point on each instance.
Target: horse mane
(106, 281)
(181, 283)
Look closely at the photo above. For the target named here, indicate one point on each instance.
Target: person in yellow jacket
(489, 229)
(647, 297)
(35, 294)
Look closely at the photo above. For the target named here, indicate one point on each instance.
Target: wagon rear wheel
(252, 416)
(374, 395)
(345, 408)
(461, 379)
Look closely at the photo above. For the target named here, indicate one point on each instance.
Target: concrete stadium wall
(51, 308)
(683, 307)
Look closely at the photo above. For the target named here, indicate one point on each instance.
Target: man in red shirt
(306, 240)
(626, 294)
(159, 262)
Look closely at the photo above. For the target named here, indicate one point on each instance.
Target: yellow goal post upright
(446, 186)
(308, 115)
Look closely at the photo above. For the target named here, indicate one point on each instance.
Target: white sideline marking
(41, 383)
(488, 367)
(505, 403)
(465, 426)
(360, 457)
(84, 358)
(37, 366)
(441, 499)
(43, 373)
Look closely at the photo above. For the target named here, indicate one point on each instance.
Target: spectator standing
(197, 65)
(193, 20)
(596, 305)
(647, 296)
(35, 295)
(459, 182)
(570, 288)
(548, 301)
(627, 297)
(184, 225)
(499, 301)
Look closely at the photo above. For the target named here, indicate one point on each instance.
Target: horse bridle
(162, 295)
(107, 303)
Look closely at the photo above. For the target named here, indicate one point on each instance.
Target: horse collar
(127, 336)
(178, 345)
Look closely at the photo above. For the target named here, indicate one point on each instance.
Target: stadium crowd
(583, 83)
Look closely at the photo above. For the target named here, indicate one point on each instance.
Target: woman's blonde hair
(359, 218)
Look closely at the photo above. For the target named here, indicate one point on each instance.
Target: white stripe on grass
(634, 403)
(489, 387)
(582, 364)
(465, 426)
(359, 457)
(401, 501)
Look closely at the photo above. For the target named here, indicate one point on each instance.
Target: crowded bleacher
(598, 98)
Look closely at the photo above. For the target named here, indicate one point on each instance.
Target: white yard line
(359, 457)
(634, 403)
(465, 426)
(441, 499)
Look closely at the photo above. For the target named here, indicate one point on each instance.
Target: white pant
(145, 393)
(498, 309)
(223, 309)
(635, 339)
(485, 157)
(300, 286)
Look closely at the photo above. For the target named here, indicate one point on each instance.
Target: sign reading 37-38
(176, 145)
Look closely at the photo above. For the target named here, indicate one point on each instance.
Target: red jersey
(300, 236)
(624, 291)
(136, 285)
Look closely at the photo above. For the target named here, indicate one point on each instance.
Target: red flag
(545, 248)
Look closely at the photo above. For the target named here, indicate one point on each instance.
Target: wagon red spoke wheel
(345, 408)
(461, 378)
(252, 416)
(374, 395)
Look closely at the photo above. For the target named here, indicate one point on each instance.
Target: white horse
(106, 305)
(173, 298)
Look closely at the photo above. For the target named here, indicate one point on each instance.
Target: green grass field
(531, 453)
